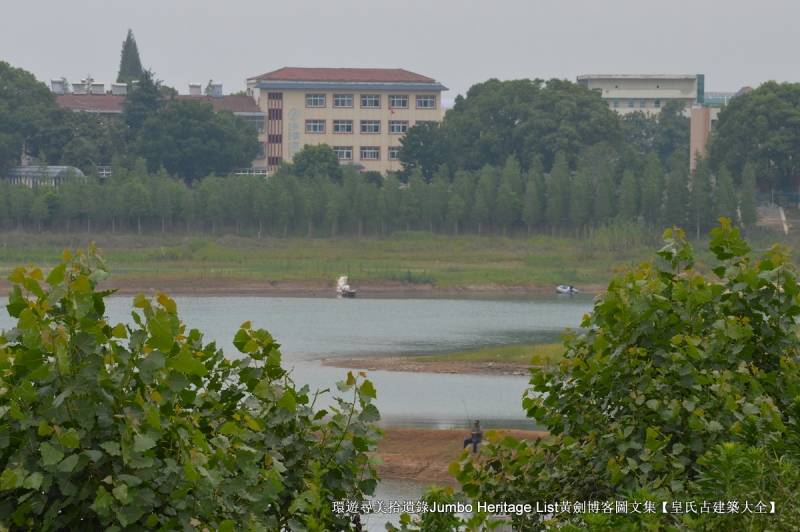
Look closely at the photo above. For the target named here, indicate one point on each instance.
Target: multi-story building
(648, 93)
(362, 113)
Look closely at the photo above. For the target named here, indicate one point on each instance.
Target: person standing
(475, 436)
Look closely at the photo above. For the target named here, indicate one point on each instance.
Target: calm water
(310, 329)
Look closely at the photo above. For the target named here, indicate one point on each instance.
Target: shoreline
(423, 455)
(231, 286)
(418, 364)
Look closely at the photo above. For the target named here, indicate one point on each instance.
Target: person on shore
(475, 436)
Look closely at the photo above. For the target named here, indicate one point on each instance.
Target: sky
(457, 42)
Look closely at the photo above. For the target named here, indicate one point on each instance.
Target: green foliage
(748, 196)
(760, 127)
(143, 101)
(681, 387)
(145, 426)
(190, 140)
(316, 161)
(130, 66)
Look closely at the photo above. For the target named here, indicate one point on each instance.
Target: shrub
(680, 388)
(146, 426)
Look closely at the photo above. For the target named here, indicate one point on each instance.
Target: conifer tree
(629, 196)
(701, 206)
(748, 196)
(505, 206)
(558, 185)
(725, 196)
(130, 66)
(652, 190)
(676, 194)
(580, 205)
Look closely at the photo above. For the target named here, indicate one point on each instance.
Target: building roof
(357, 75)
(92, 103)
(112, 103)
(43, 172)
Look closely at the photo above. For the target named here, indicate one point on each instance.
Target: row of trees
(500, 199)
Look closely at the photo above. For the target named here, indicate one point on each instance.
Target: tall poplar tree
(725, 196)
(629, 196)
(558, 192)
(130, 66)
(748, 196)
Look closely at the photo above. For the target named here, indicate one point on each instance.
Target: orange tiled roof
(376, 75)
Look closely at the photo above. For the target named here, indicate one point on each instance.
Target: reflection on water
(314, 328)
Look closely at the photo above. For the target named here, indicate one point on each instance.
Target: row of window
(366, 153)
(642, 104)
(317, 125)
(371, 101)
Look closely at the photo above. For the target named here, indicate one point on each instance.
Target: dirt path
(420, 365)
(424, 455)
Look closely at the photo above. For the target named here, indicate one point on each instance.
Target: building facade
(361, 113)
(647, 93)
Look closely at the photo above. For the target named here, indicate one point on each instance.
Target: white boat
(343, 287)
(566, 289)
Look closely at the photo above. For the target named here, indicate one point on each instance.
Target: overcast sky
(457, 42)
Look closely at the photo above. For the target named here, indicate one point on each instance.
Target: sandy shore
(231, 286)
(420, 365)
(423, 455)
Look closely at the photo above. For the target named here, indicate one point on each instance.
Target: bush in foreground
(145, 426)
(681, 388)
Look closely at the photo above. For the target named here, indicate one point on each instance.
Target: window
(370, 153)
(631, 103)
(256, 121)
(274, 96)
(426, 102)
(343, 100)
(370, 126)
(371, 101)
(642, 104)
(344, 153)
(315, 100)
(398, 126)
(394, 153)
(315, 126)
(342, 126)
(275, 138)
(615, 103)
(273, 161)
(657, 103)
(398, 101)
(425, 122)
(275, 114)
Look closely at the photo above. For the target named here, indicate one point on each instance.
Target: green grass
(441, 260)
(536, 354)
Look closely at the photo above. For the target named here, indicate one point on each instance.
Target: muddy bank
(232, 286)
(414, 364)
(423, 455)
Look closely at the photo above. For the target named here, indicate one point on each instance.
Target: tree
(535, 202)
(316, 161)
(760, 127)
(146, 425)
(506, 206)
(143, 101)
(26, 106)
(130, 66)
(676, 195)
(701, 207)
(190, 140)
(421, 148)
(652, 189)
(581, 199)
(680, 386)
(40, 211)
(672, 132)
(629, 196)
(748, 196)
(558, 192)
(725, 196)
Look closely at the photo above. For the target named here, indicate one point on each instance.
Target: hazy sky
(458, 42)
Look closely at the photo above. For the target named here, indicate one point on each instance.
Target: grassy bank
(410, 259)
(523, 354)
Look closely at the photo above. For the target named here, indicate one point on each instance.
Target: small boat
(343, 288)
(566, 289)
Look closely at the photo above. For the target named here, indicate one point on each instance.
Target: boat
(566, 289)
(343, 287)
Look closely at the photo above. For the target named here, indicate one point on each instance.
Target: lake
(310, 329)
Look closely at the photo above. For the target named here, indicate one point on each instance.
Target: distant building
(703, 119)
(362, 113)
(112, 103)
(49, 176)
(648, 93)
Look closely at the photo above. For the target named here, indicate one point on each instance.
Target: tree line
(502, 199)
